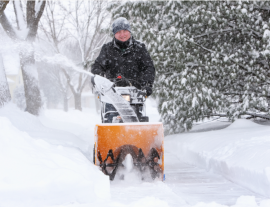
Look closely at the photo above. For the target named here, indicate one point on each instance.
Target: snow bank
(37, 127)
(243, 201)
(80, 124)
(239, 152)
(34, 172)
(149, 202)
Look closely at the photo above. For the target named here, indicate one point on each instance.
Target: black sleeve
(147, 68)
(100, 65)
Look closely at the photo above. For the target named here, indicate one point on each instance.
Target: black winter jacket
(133, 63)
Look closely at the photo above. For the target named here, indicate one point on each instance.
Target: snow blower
(124, 130)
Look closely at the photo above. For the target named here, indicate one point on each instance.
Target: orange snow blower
(143, 141)
(124, 130)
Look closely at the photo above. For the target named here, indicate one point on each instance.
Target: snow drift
(36, 172)
(238, 152)
(49, 165)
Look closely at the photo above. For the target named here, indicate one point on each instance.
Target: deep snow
(46, 161)
(238, 152)
(35, 172)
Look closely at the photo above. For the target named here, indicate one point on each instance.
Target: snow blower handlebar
(142, 91)
(122, 78)
(103, 85)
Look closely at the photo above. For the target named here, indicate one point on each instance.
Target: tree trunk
(77, 95)
(4, 89)
(78, 101)
(29, 72)
(30, 79)
(3, 5)
(66, 97)
(66, 104)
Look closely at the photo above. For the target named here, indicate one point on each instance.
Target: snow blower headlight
(126, 97)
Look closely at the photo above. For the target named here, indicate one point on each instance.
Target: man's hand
(148, 90)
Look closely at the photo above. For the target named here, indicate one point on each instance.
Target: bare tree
(62, 84)
(87, 20)
(4, 89)
(84, 31)
(52, 26)
(25, 34)
(3, 5)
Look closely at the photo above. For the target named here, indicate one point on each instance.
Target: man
(125, 57)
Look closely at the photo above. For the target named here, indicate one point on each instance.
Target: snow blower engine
(125, 130)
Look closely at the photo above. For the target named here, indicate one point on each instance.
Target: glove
(148, 90)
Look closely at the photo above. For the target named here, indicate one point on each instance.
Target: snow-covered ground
(237, 152)
(46, 161)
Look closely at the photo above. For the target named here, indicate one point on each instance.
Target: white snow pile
(45, 162)
(37, 173)
(243, 201)
(239, 152)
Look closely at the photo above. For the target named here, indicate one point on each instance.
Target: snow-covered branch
(3, 5)
(262, 8)
(213, 32)
(33, 17)
(8, 27)
(38, 7)
(238, 28)
(248, 71)
(258, 115)
(20, 17)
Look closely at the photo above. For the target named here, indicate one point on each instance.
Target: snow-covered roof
(9, 80)
(11, 63)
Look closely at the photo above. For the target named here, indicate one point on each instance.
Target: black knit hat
(120, 23)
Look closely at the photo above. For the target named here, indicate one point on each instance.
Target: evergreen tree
(208, 57)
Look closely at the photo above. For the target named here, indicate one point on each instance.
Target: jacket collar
(131, 40)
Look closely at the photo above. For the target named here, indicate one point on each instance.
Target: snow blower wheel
(110, 165)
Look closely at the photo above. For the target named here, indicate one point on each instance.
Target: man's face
(122, 35)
